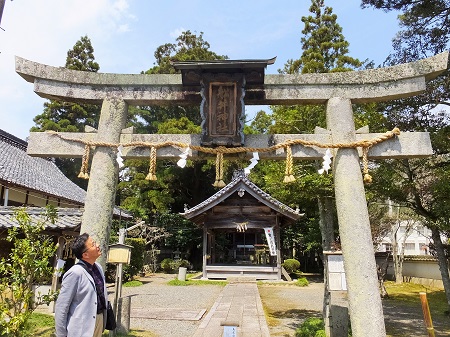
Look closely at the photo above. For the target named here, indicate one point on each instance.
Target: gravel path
(156, 293)
(289, 306)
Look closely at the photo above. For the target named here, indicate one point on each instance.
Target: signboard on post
(336, 273)
(119, 253)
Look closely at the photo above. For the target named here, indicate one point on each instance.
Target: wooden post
(55, 277)
(426, 314)
(205, 243)
(118, 285)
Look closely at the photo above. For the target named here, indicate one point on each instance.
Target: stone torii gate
(338, 91)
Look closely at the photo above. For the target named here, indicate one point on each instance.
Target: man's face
(92, 249)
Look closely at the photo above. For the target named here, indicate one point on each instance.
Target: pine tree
(71, 117)
(324, 50)
(324, 47)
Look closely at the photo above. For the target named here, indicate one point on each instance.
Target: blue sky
(125, 34)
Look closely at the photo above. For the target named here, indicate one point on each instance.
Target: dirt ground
(288, 306)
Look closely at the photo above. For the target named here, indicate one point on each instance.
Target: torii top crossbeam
(371, 85)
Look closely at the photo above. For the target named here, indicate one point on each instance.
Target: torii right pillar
(365, 307)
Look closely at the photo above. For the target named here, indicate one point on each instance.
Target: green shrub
(170, 266)
(291, 265)
(311, 327)
(180, 263)
(133, 283)
(26, 264)
(167, 265)
(302, 282)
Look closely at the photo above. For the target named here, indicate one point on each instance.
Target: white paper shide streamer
(253, 163)
(119, 158)
(182, 162)
(326, 165)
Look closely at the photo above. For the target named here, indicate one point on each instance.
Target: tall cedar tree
(324, 50)
(421, 184)
(71, 117)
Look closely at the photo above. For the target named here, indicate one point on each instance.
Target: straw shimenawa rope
(288, 176)
(365, 144)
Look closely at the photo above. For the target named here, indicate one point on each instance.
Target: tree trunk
(396, 258)
(326, 210)
(327, 230)
(442, 261)
(399, 268)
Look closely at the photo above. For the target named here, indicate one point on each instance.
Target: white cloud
(123, 28)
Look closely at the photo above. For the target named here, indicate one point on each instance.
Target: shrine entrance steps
(264, 272)
(238, 310)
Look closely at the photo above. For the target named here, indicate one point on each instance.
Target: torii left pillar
(101, 192)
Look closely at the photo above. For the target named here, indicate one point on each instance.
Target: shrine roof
(241, 181)
(254, 69)
(67, 219)
(223, 64)
(41, 175)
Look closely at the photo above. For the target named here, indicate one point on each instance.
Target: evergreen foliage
(291, 265)
(157, 202)
(71, 117)
(324, 47)
(311, 327)
(324, 50)
(302, 282)
(420, 183)
(425, 25)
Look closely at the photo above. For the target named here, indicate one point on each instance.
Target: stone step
(241, 279)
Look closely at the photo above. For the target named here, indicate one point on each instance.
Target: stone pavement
(238, 305)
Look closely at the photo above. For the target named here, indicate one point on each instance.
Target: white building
(415, 237)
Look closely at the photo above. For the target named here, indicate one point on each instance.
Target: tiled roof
(240, 180)
(420, 258)
(68, 218)
(39, 174)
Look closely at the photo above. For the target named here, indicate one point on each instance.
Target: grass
(409, 293)
(189, 282)
(42, 325)
(134, 283)
(194, 275)
(301, 282)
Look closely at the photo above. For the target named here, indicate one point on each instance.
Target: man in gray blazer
(81, 306)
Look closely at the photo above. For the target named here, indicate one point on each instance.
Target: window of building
(410, 247)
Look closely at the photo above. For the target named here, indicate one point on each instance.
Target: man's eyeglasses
(94, 244)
